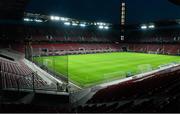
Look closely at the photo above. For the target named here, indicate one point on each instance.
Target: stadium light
(52, 17)
(106, 27)
(101, 23)
(38, 20)
(151, 26)
(83, 25)
(55, 18)
(143, 27)
(74, 24)
(63, 19)
(67, 23)
(26, 19)
(101, 27)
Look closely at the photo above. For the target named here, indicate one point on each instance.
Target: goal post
(57, 66)
(47, 62)
(114, 75)
(144, 68)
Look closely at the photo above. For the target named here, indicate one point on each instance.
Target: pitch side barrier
(50, 71)
(161, 70)
(88, 94)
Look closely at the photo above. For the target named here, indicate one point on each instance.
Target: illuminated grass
(92, 69)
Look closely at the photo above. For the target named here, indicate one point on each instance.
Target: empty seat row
(18, 75)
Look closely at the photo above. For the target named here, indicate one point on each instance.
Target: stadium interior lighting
(106, 27)
(63, 19)
(151, 26)
(52, 17)
(26, 19)
(101, 24)
(74, 24)
(143, 27)
(83, 25)
(38, 20)
(67, 23)
(55, 18)
(101, 27)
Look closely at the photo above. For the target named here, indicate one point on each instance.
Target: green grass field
(92, 69)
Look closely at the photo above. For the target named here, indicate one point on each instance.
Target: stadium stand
(73, 48)
(157, 92)
(137, 95)
(172, 49)
(16, 74)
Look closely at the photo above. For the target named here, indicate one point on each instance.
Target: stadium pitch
(91, 69)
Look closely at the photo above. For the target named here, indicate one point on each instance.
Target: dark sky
(100, 10)
(140, 11)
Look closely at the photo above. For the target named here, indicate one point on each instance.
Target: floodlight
(67, 23)
(143, 27)
(151, 26)
(83, 25)
(100, 24)
(74, 24)
(38, 20)
(26, 19)
(106, 27)
(101, 27)
(56, 18)
(52, 17)
(63, 19)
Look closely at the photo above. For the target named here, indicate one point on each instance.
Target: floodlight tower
(123, 19)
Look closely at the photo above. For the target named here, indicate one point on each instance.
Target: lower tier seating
(15, 74)
(157, 93)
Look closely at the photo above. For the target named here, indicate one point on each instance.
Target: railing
(28, 83)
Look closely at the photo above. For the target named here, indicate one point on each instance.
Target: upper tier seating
(60, 33)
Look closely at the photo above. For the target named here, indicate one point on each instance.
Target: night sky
(138, 11)
(100, 10)
(141, 11)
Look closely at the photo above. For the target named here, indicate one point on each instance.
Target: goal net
(48, 62)
(144, 68)
(114, 75)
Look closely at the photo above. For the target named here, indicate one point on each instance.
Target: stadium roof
(12, 9)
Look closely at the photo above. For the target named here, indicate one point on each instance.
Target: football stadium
(70, 57)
